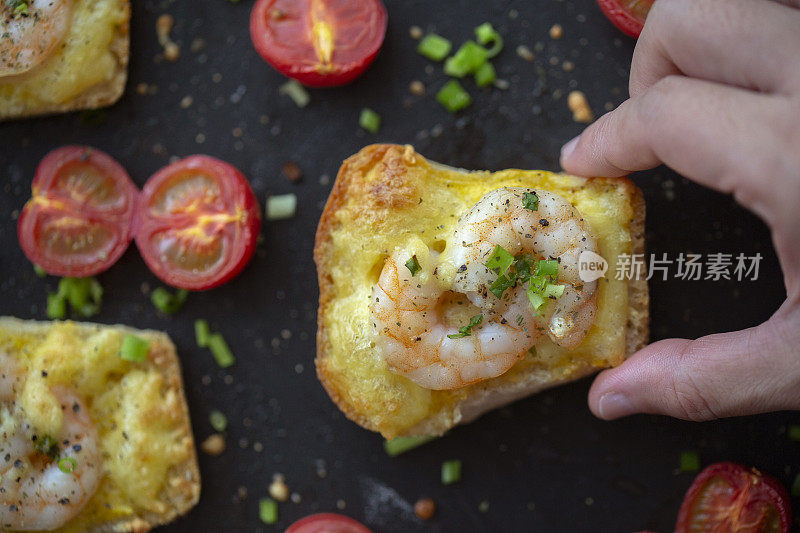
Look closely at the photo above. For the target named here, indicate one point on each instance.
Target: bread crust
(482, 399)
(181, 491)
(97, 96)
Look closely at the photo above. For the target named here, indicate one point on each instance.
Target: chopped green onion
(466, 331)
(690, 461)
(268, 510)
(281, 206)
(500, 260)
(796, 486)
(536, 300)
(39, 271)
(369, 120)
(56, 306)
(467, 60)
(166, 302)
(202, 333)
(413, 265)
(486, 34)
(399, 445)
(501, 284)
(296, 92)
(546, 267)
(794, 432)
(453, 96)
(67, 465)
(538, 284)
(220, 350)
(523, 265)
(218, 421)
(553, 291)
(451, 472)
(434, 47)
(134, 348)
(530, 201)
(83, 294)
(485, 75)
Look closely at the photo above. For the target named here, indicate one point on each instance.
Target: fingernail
(614, 405)
(568, 148)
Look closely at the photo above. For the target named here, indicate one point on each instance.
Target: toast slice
(139, 410)
(384, 194)
(89, 71)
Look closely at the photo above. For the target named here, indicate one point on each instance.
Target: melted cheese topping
(393, 203)
(140, 423)
(82, 60)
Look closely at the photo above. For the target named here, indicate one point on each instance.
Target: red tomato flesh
(197, 223)
(627, 15)
(78, 220)
(320, 43)
(327, 523)
(726, 497)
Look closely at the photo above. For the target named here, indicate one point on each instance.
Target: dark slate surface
(543, 464)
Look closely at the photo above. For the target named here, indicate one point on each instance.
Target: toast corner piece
(98, 96)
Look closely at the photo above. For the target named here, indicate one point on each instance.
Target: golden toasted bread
(87, 71)
(385, 193)
(139, 409)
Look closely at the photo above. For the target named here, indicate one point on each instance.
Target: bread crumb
(568, 66)
(187, 102)
(556, 31)
(278, 489)
(213, 445)
(415, 32)
(164, 25)
(416, 87)
(425, 508)
(525, 53)
(579, 105)
(292, 171)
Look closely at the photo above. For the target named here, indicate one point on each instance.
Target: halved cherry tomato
(320, 43)
(78, 221)
(627, 15)
(197, 223)
(327, 523)
(726, 497)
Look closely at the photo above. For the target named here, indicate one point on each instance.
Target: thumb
(744, 372)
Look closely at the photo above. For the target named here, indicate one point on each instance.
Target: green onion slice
(281, 206)
(434, 47)
(202, 333)
(466, 331)
(500, 260)
(467, 60)
(134, 348)
(690, 461)
(553, 291)
(794, 432)
(502, 284)
(166, 302)
(218, 420)
(485, 75)
(67, 464)
(39, 271)
(546, 267)
(294, 90)
(268, 510)
(220, 350)
(399, 445)
(536, 300)
(453, 96)
(530, 201)
(56, 306)
(451, 472)
(413, 265)
(369, 120)
(486, 34)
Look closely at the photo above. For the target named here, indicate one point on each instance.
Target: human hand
(715, 95)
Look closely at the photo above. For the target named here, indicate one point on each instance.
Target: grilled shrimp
(46, 480)
(411, 300)
(30, 30)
